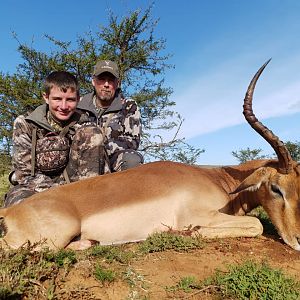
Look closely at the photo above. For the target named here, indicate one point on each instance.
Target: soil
(156, 271)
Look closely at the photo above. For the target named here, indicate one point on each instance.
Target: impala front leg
(223, 226)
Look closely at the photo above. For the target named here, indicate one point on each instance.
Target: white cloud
(214, 100)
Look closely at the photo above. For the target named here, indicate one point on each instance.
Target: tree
(294, 149)
(4, 165)
(244, 155)
(129, 41)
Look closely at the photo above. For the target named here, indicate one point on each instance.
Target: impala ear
(254, 181)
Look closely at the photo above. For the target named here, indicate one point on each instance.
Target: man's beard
(105, 97)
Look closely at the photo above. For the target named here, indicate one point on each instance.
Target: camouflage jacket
(120, 122)
(22, 146)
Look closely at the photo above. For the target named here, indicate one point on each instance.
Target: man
(55, 143)
(118, 118)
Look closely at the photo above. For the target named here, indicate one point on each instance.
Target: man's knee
(126, 160)
(131, 160)
(17, 194)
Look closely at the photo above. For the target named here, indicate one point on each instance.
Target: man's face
(105, 86)
(62, 104)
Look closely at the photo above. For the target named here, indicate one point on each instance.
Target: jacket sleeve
(126, 132)
(21, 160)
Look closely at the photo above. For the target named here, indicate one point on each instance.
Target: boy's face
(62, 104)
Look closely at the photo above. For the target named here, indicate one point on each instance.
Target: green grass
(252, 281)
(62, 258)
(158, 242)
(246, 281)
(21, 271)
(104, 275)
(185, 284)
(25, 274)
(112, 253)
(28, 274)
(260, 213)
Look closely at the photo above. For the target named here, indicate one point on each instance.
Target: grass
(163, 241)
(252, 280)
(62, 258)
(186, 284)
(25, 274)
(246, 281)
(112, 253)
(104, 275)
(21, 271)
(260, 213)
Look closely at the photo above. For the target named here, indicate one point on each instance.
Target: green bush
(158, 242)
(62, 258)
(22, 271)
(111, 253)
(260, 213)
(253, 281)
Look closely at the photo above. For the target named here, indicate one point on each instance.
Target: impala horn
(285, 161)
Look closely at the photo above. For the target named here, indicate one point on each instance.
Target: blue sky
(217, 46)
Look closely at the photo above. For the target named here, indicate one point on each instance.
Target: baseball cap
(106, 66)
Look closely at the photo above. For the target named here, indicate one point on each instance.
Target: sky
(216, 45)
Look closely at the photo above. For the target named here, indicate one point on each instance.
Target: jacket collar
(38, 116)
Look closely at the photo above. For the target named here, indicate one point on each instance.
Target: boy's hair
(63, 80)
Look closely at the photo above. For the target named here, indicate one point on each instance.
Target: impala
(130, 205)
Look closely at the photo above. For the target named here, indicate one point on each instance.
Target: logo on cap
(106, 66)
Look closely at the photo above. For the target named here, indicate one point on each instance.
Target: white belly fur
(134, 222)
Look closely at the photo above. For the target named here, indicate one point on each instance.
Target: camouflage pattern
(121, 126)
(125, 159)
(86, 154)
(30, 185)
(83, 137)
(52, 153)
(118, 128)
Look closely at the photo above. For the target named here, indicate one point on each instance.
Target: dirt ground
(151, 274)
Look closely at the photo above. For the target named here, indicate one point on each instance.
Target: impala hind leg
(81, 245)
(54, 234)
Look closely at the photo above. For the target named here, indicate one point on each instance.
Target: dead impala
(128, 206)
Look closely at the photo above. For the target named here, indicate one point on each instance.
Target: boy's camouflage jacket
(22, 146)
(120, 122)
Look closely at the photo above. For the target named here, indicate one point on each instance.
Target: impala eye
(275, 189)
